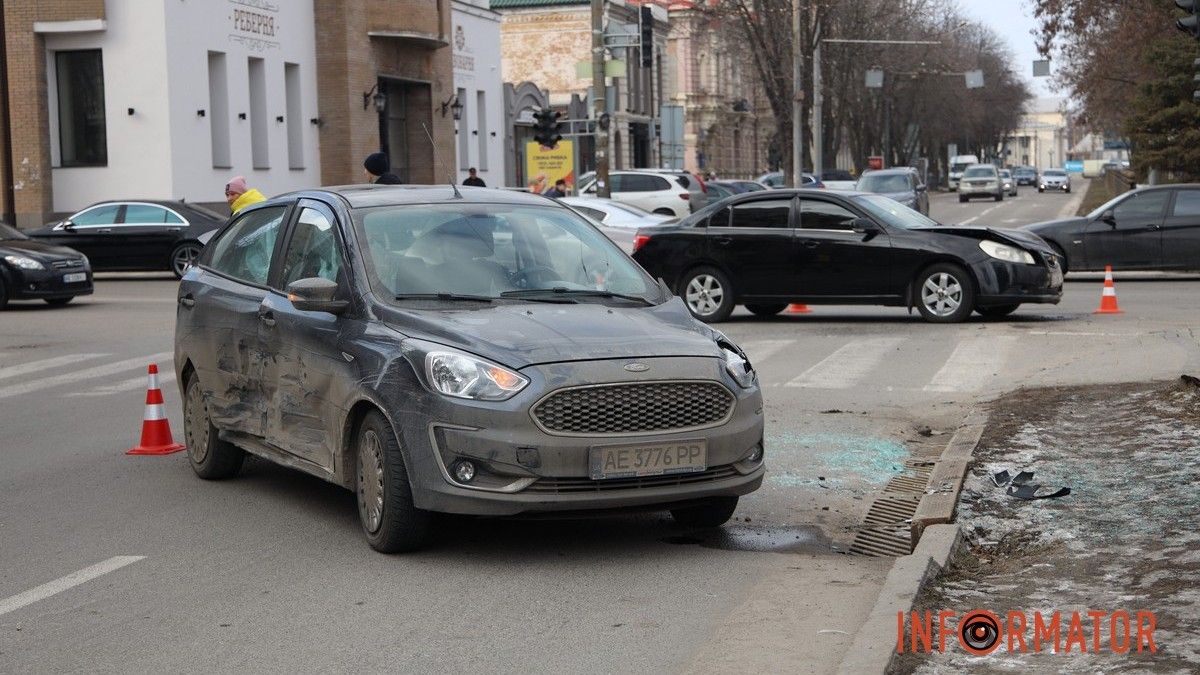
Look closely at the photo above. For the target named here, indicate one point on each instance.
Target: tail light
(685, 196)
(639, 240)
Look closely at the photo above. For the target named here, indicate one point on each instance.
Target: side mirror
(315, 295)
(865, 226)
(68, 225)
(922, 188)
(1109, 217)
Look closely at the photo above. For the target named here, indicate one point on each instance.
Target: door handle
(723, 241)
(187, 300)
(105, 230)
(267, 317)
(810, 243)
(1154, 226)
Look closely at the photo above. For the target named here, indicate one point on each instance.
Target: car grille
(576, 485)
(67, 264)
(643, 407)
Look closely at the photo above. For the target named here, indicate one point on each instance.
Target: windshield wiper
(444, 296)
(574, 292)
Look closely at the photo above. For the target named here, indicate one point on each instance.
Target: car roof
(895, 169)
(372, 195)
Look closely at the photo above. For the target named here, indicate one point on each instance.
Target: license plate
(74, 277)
(643, 459)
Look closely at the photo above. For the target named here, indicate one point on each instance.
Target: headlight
(1006, 253)
(462, 376)
(24, 263)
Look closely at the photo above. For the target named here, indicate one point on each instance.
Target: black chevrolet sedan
(458, 350)
(1153, 228)
(766, 250)
(35, 270)
(139, 235)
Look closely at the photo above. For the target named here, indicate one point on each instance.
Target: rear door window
(1187, 203)
(763, 213)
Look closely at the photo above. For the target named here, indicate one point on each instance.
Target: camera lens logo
(979, 632)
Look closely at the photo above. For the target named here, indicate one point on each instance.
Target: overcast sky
(1012, 20)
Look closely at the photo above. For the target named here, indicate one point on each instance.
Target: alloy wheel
(942, 294)
(704, 294)
(370, 481)
(184, 258)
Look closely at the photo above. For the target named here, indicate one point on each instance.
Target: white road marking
(986, 211)
(80, 375)
(848, 365)
(46, 590)
(132, 384)
(45, 364)
(761, 350)
(972, 363)
(1084, 334)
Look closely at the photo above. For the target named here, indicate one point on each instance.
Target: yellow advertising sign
(550, 163)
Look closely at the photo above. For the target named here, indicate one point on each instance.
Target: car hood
(526, 333)
(39, 250)
(1022, 238)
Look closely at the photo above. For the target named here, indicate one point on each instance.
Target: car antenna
(438, 158)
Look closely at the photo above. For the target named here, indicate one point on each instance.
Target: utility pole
(818, 122)
(599, 94)
(797, 96)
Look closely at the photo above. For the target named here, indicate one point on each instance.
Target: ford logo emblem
(636, 367)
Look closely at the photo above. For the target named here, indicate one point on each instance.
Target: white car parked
(654, 192)
(611, 213)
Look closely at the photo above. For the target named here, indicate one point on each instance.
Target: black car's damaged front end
(1011, 267)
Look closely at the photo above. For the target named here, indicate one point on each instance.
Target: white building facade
(193, 93)
(479, 91)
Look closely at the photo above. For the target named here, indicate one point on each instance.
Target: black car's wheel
(708, 294)
(766, 310)
(944, 293)
(390, 521)
(962, 199)
(3, 295)
(713, 512)
(59, 302)
(664, 212)
(1067, 190)
(211, 457)
(183, 257)
(996, 311)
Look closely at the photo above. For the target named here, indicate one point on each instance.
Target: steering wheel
(534, 276)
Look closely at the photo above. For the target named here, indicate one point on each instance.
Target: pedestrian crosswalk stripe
(132, 384)
(44, 364)
(761, 350)
(80, 375)
(848, 365)
(974, 361)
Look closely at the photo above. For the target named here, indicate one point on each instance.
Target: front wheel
(183, 257)
(962, 199)
(390, 521)
(944, 294)
(997, 311)
(211, 457)
(3, 295)
(708, 294)
(766, 310)
(712, 512)
(665, 212)
(999, 197)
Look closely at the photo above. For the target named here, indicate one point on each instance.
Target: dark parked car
(720, 189)
(765, 250)
(1025, 175)
(904, 185)
(1145, 229)
(135, 235)
(35, 270)
(490, 353)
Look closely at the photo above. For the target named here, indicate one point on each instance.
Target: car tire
(962, 199)
(58, 302)
(703, 283)
(3, 295)
(999, 197)
(1041, 189)
(389, 519)
(211, 458)
(712, 512)
(957, 299)
(766, 310)
(184, 256)
(665, 212)
(997, 311)
(1068, 190)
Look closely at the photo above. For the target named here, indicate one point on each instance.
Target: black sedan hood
(525, 333)
(1021, 238)
(38, 250)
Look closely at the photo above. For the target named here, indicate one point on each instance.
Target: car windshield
(958, 168)
(490, 251)
(884, 183)
(892, 212)
(1005, 174)
(979, 172)
(630, 209)
(10, 232)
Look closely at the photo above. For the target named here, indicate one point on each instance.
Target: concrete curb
(946, 480)
(874, 645)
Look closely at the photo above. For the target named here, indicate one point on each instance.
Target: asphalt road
(269, 572)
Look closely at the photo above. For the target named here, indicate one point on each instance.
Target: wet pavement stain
(771, 539)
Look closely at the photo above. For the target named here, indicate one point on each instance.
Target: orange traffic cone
(156, 429)
(1108, 297)
(796, 308)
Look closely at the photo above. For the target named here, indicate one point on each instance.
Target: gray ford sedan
(458, 350)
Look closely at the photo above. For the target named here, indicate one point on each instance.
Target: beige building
(728, 125)
(1043, 139)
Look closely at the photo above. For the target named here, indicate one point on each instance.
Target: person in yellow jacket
(239, 197)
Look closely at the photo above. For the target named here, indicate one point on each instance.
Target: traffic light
(546, 127)
(1189, 24)
(647, 45)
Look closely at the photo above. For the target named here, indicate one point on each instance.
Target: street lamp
(378, 98)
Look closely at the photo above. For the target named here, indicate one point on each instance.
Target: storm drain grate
(887, 524)
(892, 510)
(882, 542)
(907, 484)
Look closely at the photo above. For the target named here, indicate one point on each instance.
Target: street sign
(875, 162)
(1041, 68)
(672, 136)
(1073, 165)
(974, 79)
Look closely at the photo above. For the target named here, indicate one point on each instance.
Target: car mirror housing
(315, 295)
(865, 226)
(1109, 217)
(68, 225)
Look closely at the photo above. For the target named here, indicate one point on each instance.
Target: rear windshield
(980, 172)
(884, 183)
(957, 168)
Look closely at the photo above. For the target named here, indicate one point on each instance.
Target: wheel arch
(345, 464)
